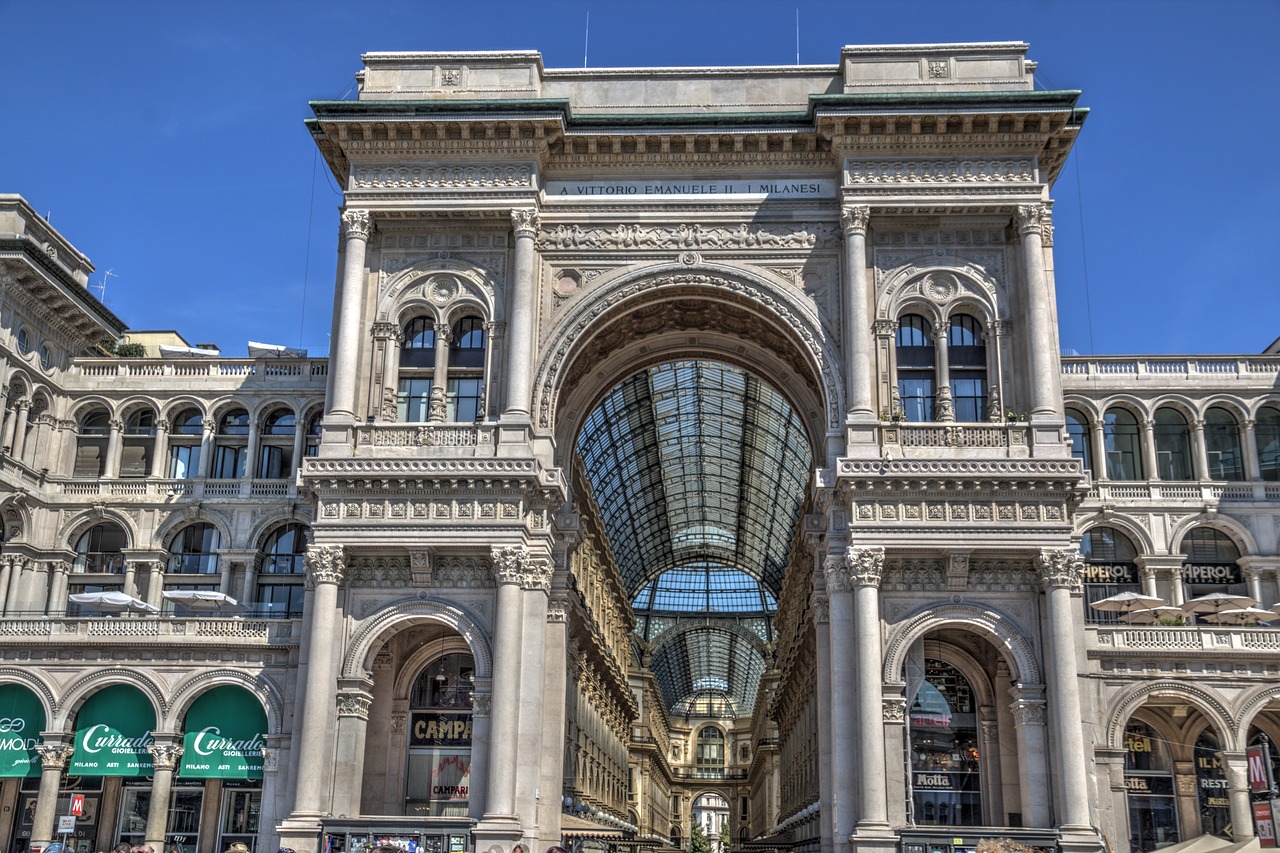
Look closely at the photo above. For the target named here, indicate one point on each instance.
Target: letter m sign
(1259, 781)
(77, 805)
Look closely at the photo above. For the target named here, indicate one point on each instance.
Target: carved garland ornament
(686, 236)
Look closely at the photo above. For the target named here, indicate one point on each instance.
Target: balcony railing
(143, 373)
(464, 439)
(163, 489)
(1214, 639)
(1257, 368)
(96, 630)
(1116, 491)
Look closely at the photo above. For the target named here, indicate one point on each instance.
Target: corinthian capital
(524, 221)
(1031, 218)
(356, 224)
(866, 565)
(355, 704)
(165, 756)
(509, 563)
(325, 564)
(1060, 567)
(836, 569)
(55, 756)
(854, 219)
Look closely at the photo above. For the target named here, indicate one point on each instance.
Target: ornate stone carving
(1060, 567)
(325, 564)
(355, 704)
(1028, 712)
(524, 221)
(885, 329)
(558, 609)
(854, 219)
(895, 710)
(686, 236)
(1031, 219)
(356, 224)
(397, 723)
(866, 565)
(55, 756)
(821, 608)
(443, 176)
(836, 569)
(481, 704)
(514, 564)
(165, 755)
(385, 331)
(1014, 170)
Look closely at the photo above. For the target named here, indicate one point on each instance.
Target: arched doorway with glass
(1149, 786)
(438, 779)
(945, 756)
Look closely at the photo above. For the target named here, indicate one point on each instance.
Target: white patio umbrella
(1209, 606)
(114, 602)
(1245, 615)
(200, 599)
(1275, 608)
(1125, 603)
(1152, 615)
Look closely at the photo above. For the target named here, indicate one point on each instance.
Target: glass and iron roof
(699, 470)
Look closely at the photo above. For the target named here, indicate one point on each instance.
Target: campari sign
(223, 736)
(113, 733)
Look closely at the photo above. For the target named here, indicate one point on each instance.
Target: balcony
(441, 439)
(165, 490)
(1080, 373)
(978, 440)
(1115, 492)
(212, 374)
(1210, 639)
(97, 632)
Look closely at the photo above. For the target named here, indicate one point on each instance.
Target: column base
(497, 833)
(299, 832)
(875, 837)
(1079, 839)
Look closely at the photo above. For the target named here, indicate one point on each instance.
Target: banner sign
(113, 731)
(223, 736)
(1259, 773)
(450, 776)
(440, 730)
(1228, 574)
(1160, 786)
(1263, 825)
(21, 721)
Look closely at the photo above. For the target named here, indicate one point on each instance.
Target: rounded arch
(412, 666)
(261, 687)
(84, 687)
(129, 405)
(441, 286)
(89, 404)
(943, 281)
(1137, 534)
(921, 308)
(968, 666)
(1129, 700)
(1084, 405)
(1233, 405)
(89, 518)
(1226, 525)
(984, 621)
(261, 409)
(224, 406)
(728, 626)
(16, 517)
(1135, 406)
(374, 631)
(266, 526)
(165, 531)
(178, 405)
(1180, 403)
(1272, 402)
(36, 683)
(659, 312)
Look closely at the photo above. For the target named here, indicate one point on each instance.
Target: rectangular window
(184, 461)
(275, 462)
(228, 462)
(916, 398)
(413, 402)
(464, 399)
(969, 397)
(283, 601)
(135, 458)
(89, 458)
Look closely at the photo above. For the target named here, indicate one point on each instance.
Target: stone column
(155, 581)
(1171, 564)
(1149, 449)
(1113, 796)
(111, 468)
(164, 756)
(1252, 465)
(249, 584)
(344, 355)
(535, 585)
(1060, 571)
(6, 420)
(13, 596)
(1147, 576)
(481, 705)
(160, 451)
(1198, 448)
(1099, 450)
(57, 603)
(845, 742)
(6, 569)
(207, 426)
(353, 703)
(440, 376)
(524, 223)
(857, 313)
(382, 396)
(20, 428)
(299, 442)
(1034, 791)
(1041, 338)
(865, 568)
(510, 564)
(272, 786)
(944, 409)
(994, 337)
(821, 606)
(895, 739)
(250, 468)
(54, 755)
(325, 571)
(1236, 767)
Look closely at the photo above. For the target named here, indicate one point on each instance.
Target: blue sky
(165, 139)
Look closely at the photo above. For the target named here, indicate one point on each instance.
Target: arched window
(1110, 568)
(280, 583)
(967, 365)
(194, 550)
(1078, 432)
(138, 443)
(99, 549)
(313, 434)
(91, 443)
(1211, 564)
(1267, 432)
(232, 445)
(184, 444)
(1222, 445)
(275, 450)
(709, 753)
(1148, 772)
(915, 357)
(466, 371)
(1173, 445)
(1123, 444)
(439, 778)
(417, 365)
(945, 762)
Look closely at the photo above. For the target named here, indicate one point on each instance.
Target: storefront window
(1211, 786)
(241, 810)
(945, 774)
(1148, 777)
(439, 776)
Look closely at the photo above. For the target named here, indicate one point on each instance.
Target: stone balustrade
(1080, 372)
(148, 489)
(1211, 639)
(398, 439)
(102, 631)
(156, 374)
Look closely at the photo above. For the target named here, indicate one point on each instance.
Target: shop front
(1148, 782)
(21, 721)
(111, 764)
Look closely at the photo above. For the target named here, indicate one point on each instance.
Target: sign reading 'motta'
(724, 190)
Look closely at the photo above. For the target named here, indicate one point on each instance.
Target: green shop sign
(113, 731)
(223, 736)
(21, 721)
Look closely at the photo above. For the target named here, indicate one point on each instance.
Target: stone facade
(424, 578)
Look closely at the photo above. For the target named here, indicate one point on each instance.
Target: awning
(113, 731)
(223, 736)
(21, 721)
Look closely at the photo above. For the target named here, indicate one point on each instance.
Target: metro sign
(1259, 778)
(77, 805)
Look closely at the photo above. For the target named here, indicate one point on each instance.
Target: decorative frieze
(378, 573)
(688, 236)
(917, 172)
(443, 176)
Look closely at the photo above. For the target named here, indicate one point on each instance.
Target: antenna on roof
(102, 288)
(797, 35)
(586, 39)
